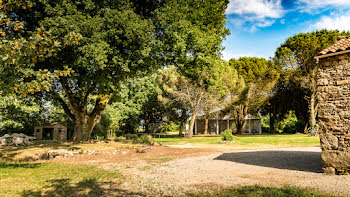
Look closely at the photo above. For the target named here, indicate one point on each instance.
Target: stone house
(334, 106)
(53, 131)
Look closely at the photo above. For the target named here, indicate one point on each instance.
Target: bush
(168, 127)
(131, 136)
(99, 138)
(294, 127)
(146, 139)
(227, 135)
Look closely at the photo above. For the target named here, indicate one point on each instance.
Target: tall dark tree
(260, 77)
(80, 51)
(298, 53)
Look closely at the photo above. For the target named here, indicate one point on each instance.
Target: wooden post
(195, 126)
(249, 126)
(228, 124)
(217, 126)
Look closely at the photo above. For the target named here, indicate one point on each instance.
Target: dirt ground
(169, 170)
(166, 170)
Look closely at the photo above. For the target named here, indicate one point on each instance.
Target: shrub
(294, 127)
(131, 136)
(99, 138)
(227, 135)
(168, 127)
(146, 139)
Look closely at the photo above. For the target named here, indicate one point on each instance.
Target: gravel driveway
(268, 167)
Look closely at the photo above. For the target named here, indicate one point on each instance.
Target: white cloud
(256, 8)
(339, 22)
(312, 5)
(254, 14)
(227, 55)
(261, 24)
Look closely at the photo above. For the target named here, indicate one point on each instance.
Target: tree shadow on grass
(12, 165)
(289, 160)
(88, 187)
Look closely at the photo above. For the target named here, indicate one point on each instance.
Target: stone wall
(334, 113)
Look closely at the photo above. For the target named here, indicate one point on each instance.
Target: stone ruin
(334, 107)
(15, 139)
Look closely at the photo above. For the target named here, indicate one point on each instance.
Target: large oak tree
(78, 52)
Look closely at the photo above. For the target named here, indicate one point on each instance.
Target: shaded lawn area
(265, 140)
(57, 179)
(258, 191)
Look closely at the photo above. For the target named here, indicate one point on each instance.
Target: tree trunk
(183, 117)
(76, 109)
(206, 126)
(92, 121)
(306, 127)
(240, 119)
(313, 102)
(190, 131)
(83, 127)
(147, 123)
(272, 121)
(78, 130)
(312, 109)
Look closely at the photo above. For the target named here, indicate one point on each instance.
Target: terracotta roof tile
(342, 45)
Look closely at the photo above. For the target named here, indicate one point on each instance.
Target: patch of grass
(265, 140)
(144, 168)
(258, 191)
(53, 179)
(158, 159)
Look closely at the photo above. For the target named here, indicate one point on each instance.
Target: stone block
(328, 141)
(342, 82)
(323, 82)
(335, 159)
(329, 170)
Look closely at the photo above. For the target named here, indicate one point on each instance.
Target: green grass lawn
(54, 179)
(265, 140)
(258, 191)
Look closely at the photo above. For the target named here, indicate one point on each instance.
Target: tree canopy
(78, 52)
(297, 54)
(260, 77)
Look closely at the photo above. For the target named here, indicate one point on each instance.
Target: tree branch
(100, 105)
(89, 91)
(64, 106)
(69, 94)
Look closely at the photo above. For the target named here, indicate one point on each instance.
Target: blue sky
(258, 27)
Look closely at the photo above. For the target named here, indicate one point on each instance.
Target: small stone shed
(216, 124)
(334, 106)
(53, 131)
(252, 125)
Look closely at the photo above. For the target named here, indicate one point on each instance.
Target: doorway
(47, 133)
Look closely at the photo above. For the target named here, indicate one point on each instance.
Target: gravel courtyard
(267, 167)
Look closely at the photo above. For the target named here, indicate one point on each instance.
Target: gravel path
(268, 167)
